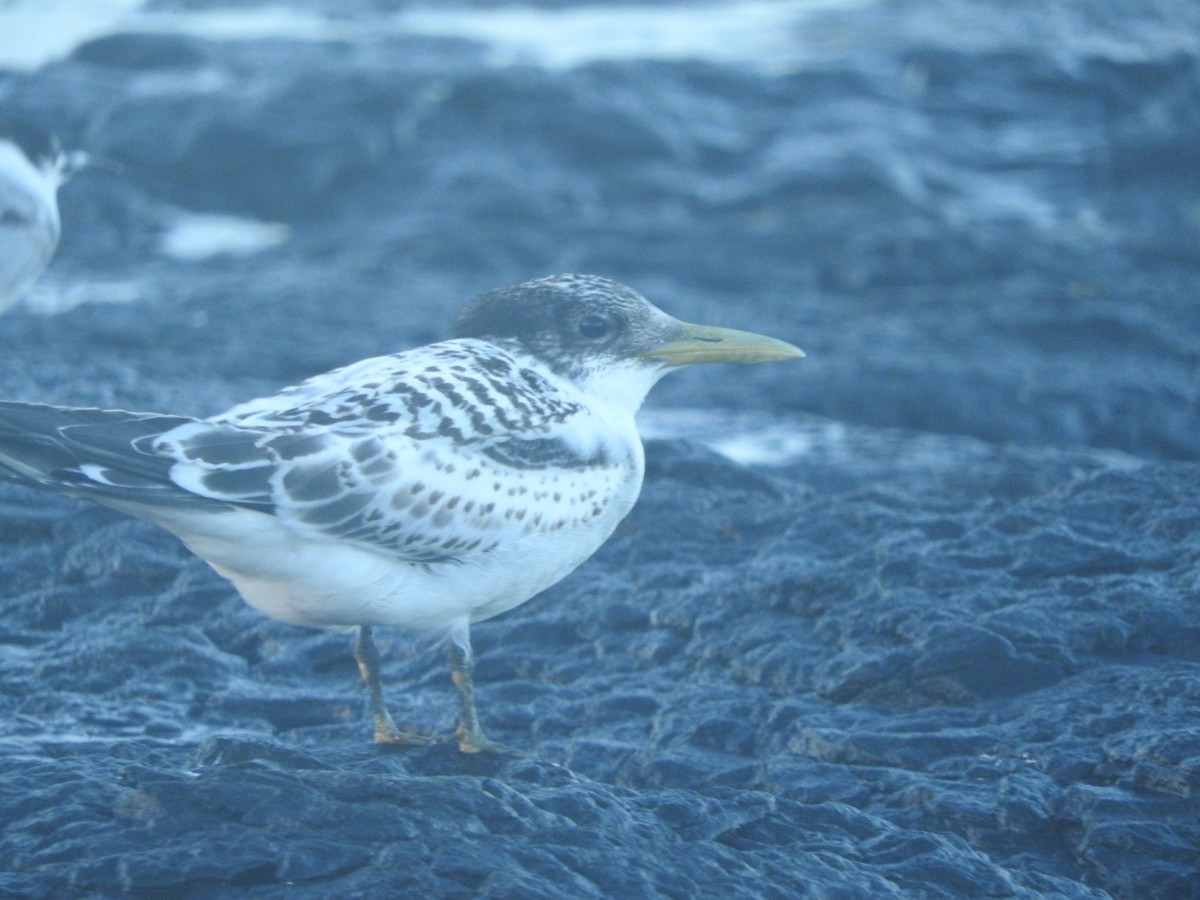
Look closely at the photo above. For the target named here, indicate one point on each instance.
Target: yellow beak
(701, 344)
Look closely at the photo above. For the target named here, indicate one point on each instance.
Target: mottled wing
(429, 455)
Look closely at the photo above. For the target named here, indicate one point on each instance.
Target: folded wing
(431, 455)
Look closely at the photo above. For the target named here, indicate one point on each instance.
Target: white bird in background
(428, 490)
(32, 168)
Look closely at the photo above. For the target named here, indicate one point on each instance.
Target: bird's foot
(475, 741)
(392, 736)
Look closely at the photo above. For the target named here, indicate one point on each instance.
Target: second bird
(33, 166)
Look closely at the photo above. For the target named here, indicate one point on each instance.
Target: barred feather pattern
(432, 454)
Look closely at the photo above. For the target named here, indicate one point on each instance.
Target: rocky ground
(950, 647)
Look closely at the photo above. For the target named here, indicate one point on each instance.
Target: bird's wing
(428, 455)
(98, 453)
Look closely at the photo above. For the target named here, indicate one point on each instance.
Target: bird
(33, 166)
(427, 490)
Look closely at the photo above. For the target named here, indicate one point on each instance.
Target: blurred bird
(33, 166)
(429, 489)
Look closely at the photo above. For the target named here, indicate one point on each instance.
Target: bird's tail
(105, 455)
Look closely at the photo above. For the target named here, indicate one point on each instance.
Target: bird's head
(604, 336)
(40, 148)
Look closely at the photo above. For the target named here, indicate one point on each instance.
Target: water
(745, 32)
(35, 32)
(784, 35)
(195, 237)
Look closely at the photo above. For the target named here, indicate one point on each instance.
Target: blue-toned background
(917, 616)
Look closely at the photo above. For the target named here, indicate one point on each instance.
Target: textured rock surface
(951, 649)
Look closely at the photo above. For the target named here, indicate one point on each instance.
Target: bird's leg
(471, 738)
(386, 731)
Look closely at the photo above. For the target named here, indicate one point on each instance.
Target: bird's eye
(594, 327)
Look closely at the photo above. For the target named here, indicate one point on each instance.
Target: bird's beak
(78, 160)
(74, 162)
(701, 344)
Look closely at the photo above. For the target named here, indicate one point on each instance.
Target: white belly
(339, 583)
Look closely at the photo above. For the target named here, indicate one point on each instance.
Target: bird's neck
(619, 392)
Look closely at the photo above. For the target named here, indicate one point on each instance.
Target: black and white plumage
(33, 167)
(428, 489)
